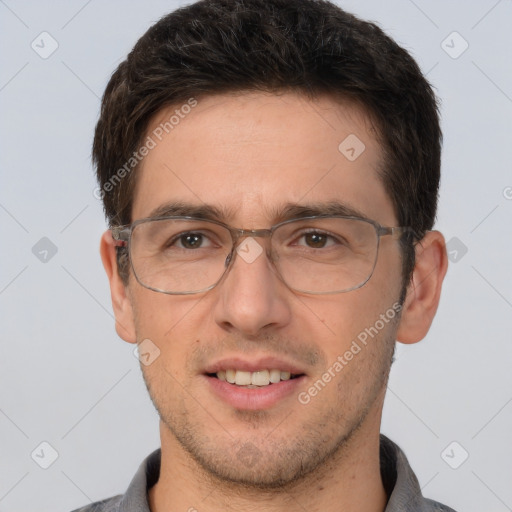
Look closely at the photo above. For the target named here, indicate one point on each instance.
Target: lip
(254, 365)
(257, 398)
(253, 399)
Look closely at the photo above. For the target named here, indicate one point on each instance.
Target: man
(269, 171)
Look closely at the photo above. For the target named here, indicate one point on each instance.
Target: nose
(251, 298)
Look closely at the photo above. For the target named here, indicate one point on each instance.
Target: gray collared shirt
(398, 478)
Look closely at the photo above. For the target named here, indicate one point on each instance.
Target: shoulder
(434, 506)
(107, 505)
(135, 497)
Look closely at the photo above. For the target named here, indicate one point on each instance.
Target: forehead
(250, 153)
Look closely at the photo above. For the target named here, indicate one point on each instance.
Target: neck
(349, 480)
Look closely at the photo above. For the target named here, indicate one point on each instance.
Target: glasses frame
(122, 238)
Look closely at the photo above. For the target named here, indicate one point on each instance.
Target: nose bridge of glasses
(240, 234)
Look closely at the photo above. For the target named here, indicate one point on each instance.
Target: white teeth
(243, 378)
(275, 376)
(260, 378)
(253, 379)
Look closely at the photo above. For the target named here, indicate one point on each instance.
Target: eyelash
(330, 239)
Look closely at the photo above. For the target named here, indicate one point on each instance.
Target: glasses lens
(322, 255)
(325, 255)
(179, 255)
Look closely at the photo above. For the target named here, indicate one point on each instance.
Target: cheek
(170, 323)
(352, 381)
(342, 318)
(160, 314)
(356, 333)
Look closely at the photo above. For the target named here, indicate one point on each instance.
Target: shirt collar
(399, 480)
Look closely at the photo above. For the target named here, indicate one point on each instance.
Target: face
(250, 156)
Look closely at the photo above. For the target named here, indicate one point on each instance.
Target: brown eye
(191, 240)
(315, 240)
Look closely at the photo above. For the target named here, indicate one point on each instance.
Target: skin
(250, 154)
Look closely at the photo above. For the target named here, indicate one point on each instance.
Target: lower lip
(253, 399)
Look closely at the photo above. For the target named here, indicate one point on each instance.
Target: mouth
(262, 383)
(254, 380)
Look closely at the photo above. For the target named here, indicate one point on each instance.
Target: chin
(264, 462)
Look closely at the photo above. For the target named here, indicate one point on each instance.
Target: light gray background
(65, 377)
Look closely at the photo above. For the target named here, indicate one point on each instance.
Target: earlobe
(121, 302)
(424, 290)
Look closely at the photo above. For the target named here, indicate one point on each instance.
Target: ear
(121, 302)
(424, 289)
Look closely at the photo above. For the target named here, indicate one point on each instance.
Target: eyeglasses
(313, 255)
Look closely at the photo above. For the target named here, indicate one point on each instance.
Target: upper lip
(254, 365)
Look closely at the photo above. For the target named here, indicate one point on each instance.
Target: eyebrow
(182, 209)
(277, 214)
(332, 208)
